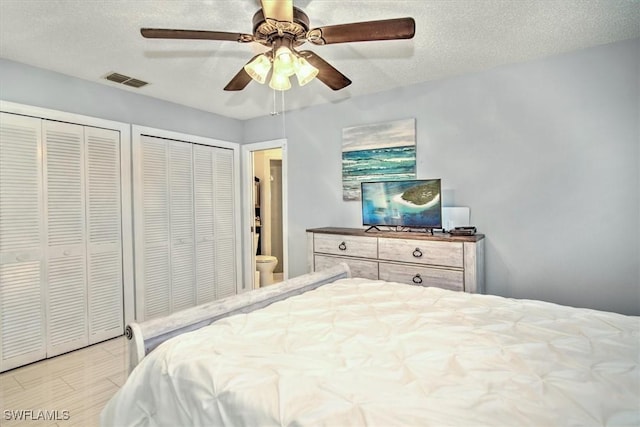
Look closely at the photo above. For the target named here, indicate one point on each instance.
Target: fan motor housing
(267, 30)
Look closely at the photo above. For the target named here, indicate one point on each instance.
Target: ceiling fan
(281, 27)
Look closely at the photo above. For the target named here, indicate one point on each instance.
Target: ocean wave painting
(377, 152)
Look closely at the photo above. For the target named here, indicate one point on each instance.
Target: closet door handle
(417, 279)
(417, 253)
(342, 246)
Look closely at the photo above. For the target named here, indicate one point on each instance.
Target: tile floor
(80, 382)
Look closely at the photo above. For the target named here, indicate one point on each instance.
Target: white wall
(546, 155)
(41, 88)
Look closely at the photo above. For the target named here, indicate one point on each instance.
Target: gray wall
(41, 88)
(545, 153)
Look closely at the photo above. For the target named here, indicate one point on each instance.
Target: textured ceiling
(90, 38)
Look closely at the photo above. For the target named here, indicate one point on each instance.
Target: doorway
(265, 213)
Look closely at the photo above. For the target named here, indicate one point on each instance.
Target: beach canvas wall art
(377, 152)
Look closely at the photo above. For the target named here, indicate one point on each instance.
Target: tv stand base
(400, 228)
(421, 230)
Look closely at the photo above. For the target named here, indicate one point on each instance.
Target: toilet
(265, 264)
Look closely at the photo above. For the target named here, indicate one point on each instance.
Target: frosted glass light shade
(305, 71)
(259, 68)
(284, 62)
(279, 81)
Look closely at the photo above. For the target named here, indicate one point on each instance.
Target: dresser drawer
(357, 246)
(438, 260)
(358, 267)
(448, 254)
(422, 276)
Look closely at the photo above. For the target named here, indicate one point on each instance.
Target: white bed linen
(361, 352)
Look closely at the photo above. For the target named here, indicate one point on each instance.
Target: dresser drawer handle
(342, 246)
(417, 279)
(417, 253)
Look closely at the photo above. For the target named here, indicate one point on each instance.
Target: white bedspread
(360, 352)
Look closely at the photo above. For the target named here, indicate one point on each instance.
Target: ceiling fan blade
(280, 10)
(240, 80)
(162, 33)
(387, 29)
(326, 73)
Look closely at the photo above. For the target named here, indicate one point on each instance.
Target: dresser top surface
(420, 235)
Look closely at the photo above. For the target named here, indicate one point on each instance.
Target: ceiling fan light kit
(285, 64)
(283, 58)
(305, 72)
(259, 68)
(281, 27)
(279, 82)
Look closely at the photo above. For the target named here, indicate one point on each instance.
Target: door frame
(248, 209)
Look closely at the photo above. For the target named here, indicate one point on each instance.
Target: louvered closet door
(183, 291)
(66, 239)
(22, 299)
(214, 216)
(104, 246)
(224, 223)
(185, 225)
(153, 251)
(204, 223)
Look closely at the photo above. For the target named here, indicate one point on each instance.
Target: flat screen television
(411, 203)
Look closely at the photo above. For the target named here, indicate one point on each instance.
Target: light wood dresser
(416, 258)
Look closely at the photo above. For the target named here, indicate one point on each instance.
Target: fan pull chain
(274, 111)
(284, 123)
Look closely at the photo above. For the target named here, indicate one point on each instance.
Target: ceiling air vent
(125, 80)
(135, 83)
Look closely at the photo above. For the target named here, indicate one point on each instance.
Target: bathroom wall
(271, 243)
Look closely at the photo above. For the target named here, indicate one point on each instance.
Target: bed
(328, 350)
